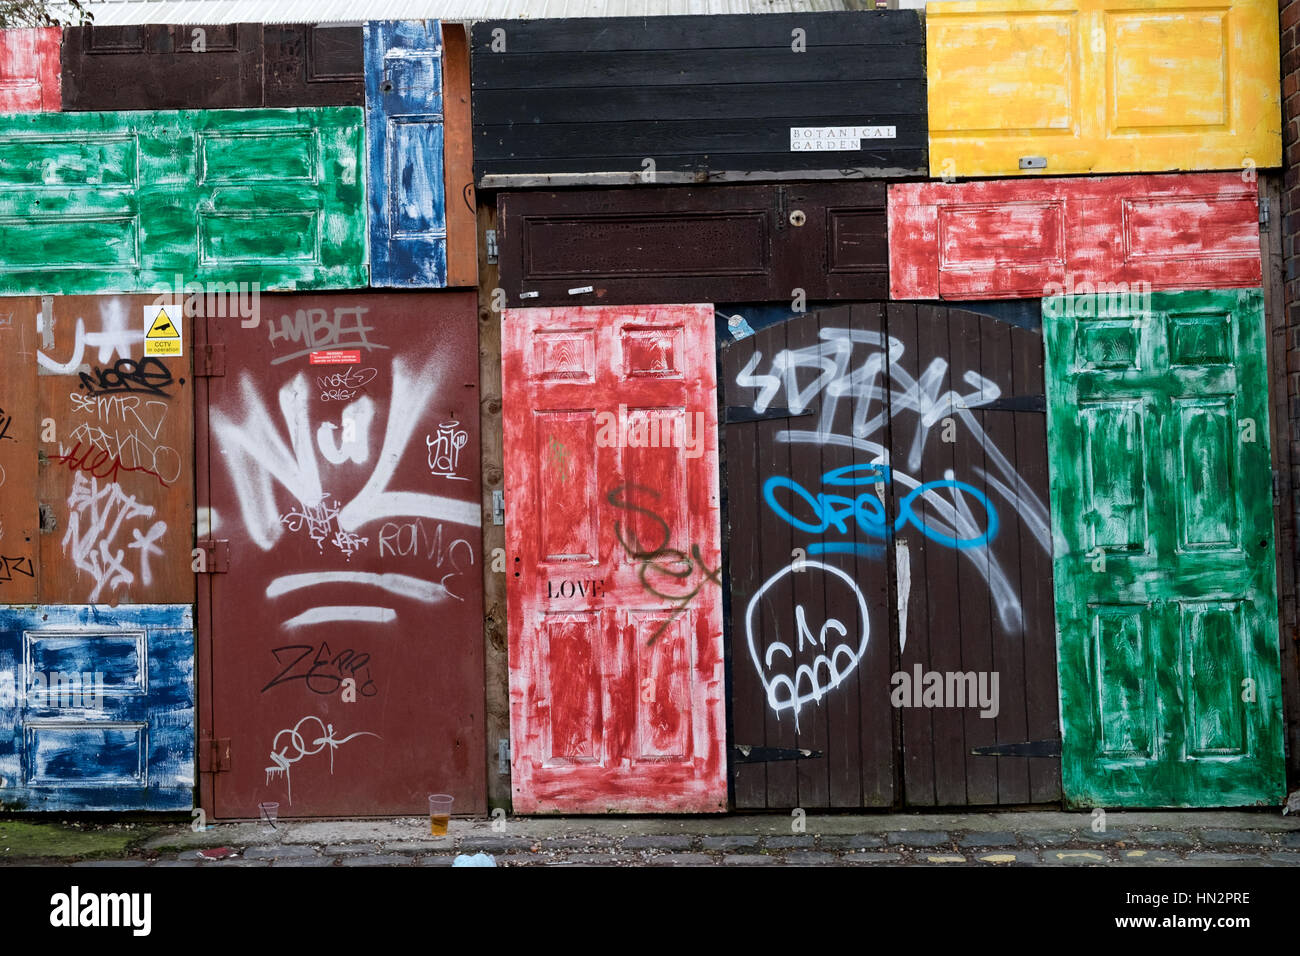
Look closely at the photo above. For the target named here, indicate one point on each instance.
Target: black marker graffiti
(326, 674)
(661, 559)
(10, 565)
(148, 375)
(5, 422)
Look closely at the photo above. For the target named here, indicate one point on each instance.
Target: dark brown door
(889, 561)
(312, 65)
(341, 629)
(694, 244)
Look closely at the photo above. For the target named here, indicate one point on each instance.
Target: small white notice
(836, 138)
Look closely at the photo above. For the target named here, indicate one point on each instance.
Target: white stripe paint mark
(355, 613)
(903, 566)
(403, 585)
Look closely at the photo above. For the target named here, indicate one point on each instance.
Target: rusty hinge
(210, 359)
(746, 753)
(1263, 214)
(1030, 748)
(214, 755)
(216, 555)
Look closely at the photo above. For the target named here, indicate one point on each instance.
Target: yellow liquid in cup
(438, 823)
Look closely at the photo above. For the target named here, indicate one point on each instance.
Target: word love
(867, 510)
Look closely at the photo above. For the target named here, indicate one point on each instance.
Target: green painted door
(1162, 520)
(125, 202)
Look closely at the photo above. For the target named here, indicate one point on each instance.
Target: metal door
(612, 540)
(1165, 571)
(1017, 239)
(341, 621)
(793, 243)
(125, 202)
(1036, 87)
(887, 484)
(404, 144)
(29, 70)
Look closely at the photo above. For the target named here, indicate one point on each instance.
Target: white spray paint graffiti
(281, 761)
(116, 336)
(831, 664)
(444, 450)
(874, 405)
(319, 520)
(96, 515)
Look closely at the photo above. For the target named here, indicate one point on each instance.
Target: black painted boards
(691, 99)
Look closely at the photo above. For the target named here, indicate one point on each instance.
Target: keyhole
(386, 87)
(797, 218)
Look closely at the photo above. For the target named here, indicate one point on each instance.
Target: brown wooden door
(887, 485)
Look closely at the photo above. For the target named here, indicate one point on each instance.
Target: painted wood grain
(126, 202)
(1018, 239)
(1101, 86)
(613, 560)
(97, 708)
(1164, 565)
(29, 70)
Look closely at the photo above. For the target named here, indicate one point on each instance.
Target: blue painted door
(97, 707)
(404, 145)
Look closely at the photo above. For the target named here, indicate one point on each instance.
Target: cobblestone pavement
(975, 839)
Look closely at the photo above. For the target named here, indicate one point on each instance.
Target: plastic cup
(269, 812)
(439, 813)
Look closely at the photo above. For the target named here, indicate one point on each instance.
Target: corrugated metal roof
(125, 12)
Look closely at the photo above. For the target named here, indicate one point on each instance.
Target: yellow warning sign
(162, 330)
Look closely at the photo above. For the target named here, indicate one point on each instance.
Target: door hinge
(216, 555)
(1030, 748)
(503, 756)
(210, 360)
(739, 414)
(490, 238)
(1263, 214)
(214, 755)
(1010, 403)
(498, 506)
(746, 753)
(48, 521)
(1277, 486)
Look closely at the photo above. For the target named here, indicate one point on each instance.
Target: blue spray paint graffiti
(867, 510)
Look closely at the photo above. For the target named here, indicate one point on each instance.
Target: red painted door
(1011, 239)
(613, 539)
(29, 70)
(341, 656)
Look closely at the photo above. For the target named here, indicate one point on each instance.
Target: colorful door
(1035, 87)
(614, 560)
(341, 615)
(404, 143)
(29, 70)
(125, 202)
(1030, 238)
(1167, 620)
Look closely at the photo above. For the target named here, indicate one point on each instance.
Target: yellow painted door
(1045, 87)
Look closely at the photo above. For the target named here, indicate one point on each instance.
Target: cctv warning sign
(162, 330)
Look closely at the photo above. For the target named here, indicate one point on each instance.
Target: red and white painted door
(613, 539)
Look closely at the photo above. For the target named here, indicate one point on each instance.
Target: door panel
(312, 64)
(29, 70)
(615, 606)
(129, 200)
(97, 708)
(161, 66)
(404, 142)
(685, 99)
(1017, 239)
(339, 472)
(1104, 86)
(1165, 587)
(716, 244)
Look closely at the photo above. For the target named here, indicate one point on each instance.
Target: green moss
(22, 840)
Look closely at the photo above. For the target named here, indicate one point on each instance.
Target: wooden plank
(405, 148)
(1010, 239)
(20, 429)
(697, 96)
(495, 642)
(29, 70)
(1101, 86)
(733, 244)
(458, 172)
(122, 205)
